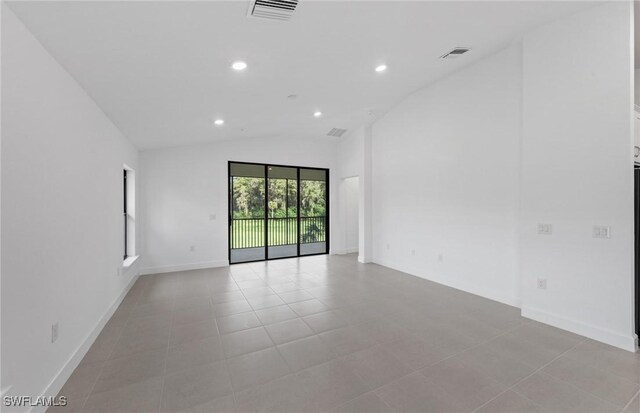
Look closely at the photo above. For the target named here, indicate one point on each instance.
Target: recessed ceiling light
(317, 114)
(239, 65)
(219, 122)
(381, 68)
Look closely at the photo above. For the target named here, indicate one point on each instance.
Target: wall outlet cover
(542, 283)
(545, 229)
(601, 232)
(54, 332)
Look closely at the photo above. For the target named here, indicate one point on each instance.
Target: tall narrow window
(129, 211)
(125, 217)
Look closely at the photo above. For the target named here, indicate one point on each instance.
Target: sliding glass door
(277, 211)
(282, 220)
(313, 211)
(247, 212)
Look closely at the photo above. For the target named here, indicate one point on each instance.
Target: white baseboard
(629, 343)
(458, 285)
(184, 267)
(65, 372)
(344, 251)
(612, 338)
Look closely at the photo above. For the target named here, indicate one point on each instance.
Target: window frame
(125, 215)
(129, 253)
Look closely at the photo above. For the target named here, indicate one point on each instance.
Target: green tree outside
(248, 201)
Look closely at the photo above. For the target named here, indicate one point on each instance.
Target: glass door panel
(277, 212)
(246, 212)
(313, 211)
(282, 211)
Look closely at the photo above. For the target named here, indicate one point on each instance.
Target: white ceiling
(161, 70)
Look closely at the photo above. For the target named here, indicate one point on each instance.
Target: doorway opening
(277, 211)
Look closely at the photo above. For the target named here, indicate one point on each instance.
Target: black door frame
(266, 215)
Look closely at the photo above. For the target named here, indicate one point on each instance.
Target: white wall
(350, 161)
(183, 186)
(636, 80)
(577, 173)
(350, 199)
(354, 159)
(62, 232)
(465, 169)
(350, 154)
(636, 83)
(636, 128)
(445, 180)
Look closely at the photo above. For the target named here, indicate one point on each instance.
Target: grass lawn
(249, 233)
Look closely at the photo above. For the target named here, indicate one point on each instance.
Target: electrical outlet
(54, 332)
(212, 217)
(388, 246)
(440, 258)
(192, 248)
(601, 232)
(545, 229)
(542, 283)
(413, 252)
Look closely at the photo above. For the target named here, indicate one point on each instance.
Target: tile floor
(326, 333)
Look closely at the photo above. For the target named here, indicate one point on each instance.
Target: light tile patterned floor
(326, 333)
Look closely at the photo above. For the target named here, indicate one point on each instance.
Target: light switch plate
(545, 229)
(54, 332)
(601, 231)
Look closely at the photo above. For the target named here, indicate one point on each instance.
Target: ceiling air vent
(337, 132)
(455, 53)
(272, 9)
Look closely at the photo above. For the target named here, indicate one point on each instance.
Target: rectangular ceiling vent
(337, 132)
(455, 53)
(273, 9)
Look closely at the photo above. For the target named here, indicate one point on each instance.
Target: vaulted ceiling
(161, 69)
